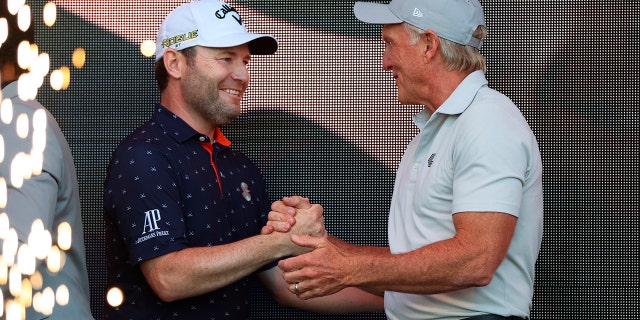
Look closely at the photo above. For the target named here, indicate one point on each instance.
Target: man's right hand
(296, 214)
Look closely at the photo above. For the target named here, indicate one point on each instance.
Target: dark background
(322, 120)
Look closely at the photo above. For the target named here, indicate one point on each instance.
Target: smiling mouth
(233, 92)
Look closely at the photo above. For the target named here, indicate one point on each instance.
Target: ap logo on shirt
(150, 228)
(151, 219)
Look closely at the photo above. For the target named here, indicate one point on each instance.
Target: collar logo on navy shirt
(246, 193)
(430, 161)
(150, 228)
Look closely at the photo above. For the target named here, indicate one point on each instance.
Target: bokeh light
(3, 202)
(148, 48)
(6, 111)
(115, 297)
(22, 282)
(24, 17)
(64, 236)
(14, 5)
(4, 30)
(62, 295)
(49, 14)
(78, 58)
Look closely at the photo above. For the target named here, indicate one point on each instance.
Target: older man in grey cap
(465, 223)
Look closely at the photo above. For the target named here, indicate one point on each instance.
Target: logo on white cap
(417, 13)
(222, 13)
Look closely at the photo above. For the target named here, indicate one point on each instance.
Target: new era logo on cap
(454, 20)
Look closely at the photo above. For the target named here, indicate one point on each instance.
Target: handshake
(318, 266)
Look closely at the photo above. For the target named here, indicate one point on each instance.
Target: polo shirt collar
(459, 100)
(180, 130)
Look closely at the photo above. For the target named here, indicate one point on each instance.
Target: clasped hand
(318, 272)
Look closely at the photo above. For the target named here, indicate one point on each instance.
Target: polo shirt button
(416, 165)
(203, 139)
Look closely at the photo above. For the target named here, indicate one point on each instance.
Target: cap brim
(264, 44)
(258, 43)
(374, 13)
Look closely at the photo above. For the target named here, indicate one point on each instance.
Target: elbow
(483, 280)
(163, 288)
(482, 277)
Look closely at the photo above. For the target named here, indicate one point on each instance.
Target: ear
(174, 62)
(431, 42)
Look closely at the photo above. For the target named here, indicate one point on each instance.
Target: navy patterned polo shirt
(168, 188)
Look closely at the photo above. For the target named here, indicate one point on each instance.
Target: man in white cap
(183, 209)
(465, 223)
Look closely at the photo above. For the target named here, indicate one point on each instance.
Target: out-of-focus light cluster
(18, 261)
(29, 57)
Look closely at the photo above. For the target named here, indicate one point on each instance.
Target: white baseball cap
(209, 23)
(454, 20)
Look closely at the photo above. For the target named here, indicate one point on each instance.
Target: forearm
(350, 248)
(469, 259)
(348, 300)
(195, 271)
(441, 267)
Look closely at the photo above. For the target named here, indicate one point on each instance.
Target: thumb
(297, 202)
(307, 241)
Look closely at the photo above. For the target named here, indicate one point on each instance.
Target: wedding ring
(295, 287)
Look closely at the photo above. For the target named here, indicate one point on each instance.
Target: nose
(241, 73)
(386, 62)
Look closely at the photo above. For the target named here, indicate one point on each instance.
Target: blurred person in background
(49, 197)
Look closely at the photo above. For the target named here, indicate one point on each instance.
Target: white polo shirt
(475, 153)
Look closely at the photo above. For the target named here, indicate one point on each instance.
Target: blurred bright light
(64, 236)
(6, 111)
(40, 240)
(4, 30)
(48, 301)
(3, 203)
(78, 58)
(115, 297)
(62, 295)
(42, 64)
(1, 150)
(4, 218)
(19, 169)
(148, 48)
(24, 18)
(49, 14)
(10, 247)
(26, 260)
(56, 79)
(36, 280)
(26, 296)
(22, 126)
(55, 259)
(14, 6)
(4, 273)
(24, 54)
(15, 281)
(14, 310)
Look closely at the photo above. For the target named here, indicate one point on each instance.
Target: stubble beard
(203, 96)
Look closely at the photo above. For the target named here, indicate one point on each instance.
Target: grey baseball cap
(454, 20)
